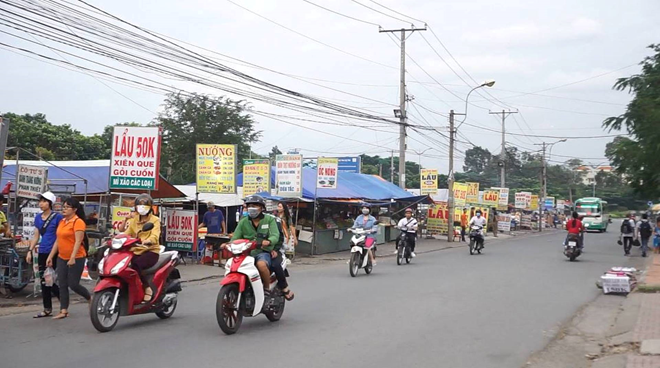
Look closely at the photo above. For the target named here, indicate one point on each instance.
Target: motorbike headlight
(118, 243)
(119, 266)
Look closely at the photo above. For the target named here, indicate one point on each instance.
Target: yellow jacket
(134, 226)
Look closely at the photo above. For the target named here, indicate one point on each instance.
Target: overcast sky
(526, 46)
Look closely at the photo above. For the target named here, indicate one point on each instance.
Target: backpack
(645, 230)
(85, 242)
(626, 228)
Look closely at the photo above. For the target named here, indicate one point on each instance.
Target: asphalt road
(446, 309)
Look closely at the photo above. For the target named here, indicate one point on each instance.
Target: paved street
(446, 309)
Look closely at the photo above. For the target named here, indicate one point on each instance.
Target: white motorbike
(359, 254)
(242, 292)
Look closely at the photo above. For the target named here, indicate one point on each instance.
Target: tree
(477, 160)
(636, 157)
(108, 133)
(273, 153)
(192, 119)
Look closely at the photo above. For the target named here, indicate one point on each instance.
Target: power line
(341, 14)
(380, 12)
(394, 11)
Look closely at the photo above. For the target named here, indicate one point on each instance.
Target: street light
(419, 155)
(397, 113)
(489, 83)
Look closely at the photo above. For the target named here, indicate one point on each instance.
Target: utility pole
(392, 167)
(4, 134)
(543, 188)
(450, 184)
(402, 103)
(504, 114)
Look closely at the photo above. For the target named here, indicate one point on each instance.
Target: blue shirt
(47, 240)
(213, 221)
(368, 225)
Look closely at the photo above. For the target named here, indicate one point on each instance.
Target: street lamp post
(450, 182)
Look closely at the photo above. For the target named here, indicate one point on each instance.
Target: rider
(367, 222)
(479, 221)
(259, 226)
(576, 227)
(277, 259)
(410, 223)
(146, 253)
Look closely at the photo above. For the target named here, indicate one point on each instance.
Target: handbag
(636, 243)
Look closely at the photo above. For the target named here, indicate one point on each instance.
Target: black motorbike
(572, 248)
(403, 246)
(476, 239)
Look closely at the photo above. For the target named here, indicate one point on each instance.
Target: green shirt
(267, 228)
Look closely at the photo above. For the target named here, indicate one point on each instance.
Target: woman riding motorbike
(367, 222)
(146, 253)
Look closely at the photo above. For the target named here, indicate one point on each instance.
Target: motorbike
(476, 239)
(359, 252)
(571, 249)
(403, 247)
(120, 292)
(242, 292)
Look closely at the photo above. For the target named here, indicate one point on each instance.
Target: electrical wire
(341, 14)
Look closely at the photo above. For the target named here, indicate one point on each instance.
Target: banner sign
(135, 160)
(350, 164)
(288, 172)
(481, 197)
(503, 201)
(216, 168)
(528, 200)
(472, 193)
(119, 213)
(436, 219)
(181, 231)
(31, 181)
(520, 200)
(526, 221)
(491, 198)
(256, 176)
(504, 222)
(428, 181)
(460, 194)
(30, 212)
(549, 203)
(534, 203)
(561, 204)
(326, 173)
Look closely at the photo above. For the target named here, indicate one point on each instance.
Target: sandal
(61, 315)
(43, 314)
(148, 294)
(288, 295)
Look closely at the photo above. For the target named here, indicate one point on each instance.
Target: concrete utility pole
(544, 178)
(504, 114)
(4, 134)
(401, 114)
(450, 186)
(392, 168)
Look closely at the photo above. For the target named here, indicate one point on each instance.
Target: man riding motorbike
(479, 221)
(410, 223)
(146, 253)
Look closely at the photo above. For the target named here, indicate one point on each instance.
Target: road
(445, 309)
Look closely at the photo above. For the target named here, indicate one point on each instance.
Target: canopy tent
(96, 172)
(349, 186)
(220, 200)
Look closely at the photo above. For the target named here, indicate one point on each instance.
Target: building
(588, 173)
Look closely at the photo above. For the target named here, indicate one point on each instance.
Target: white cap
(49, 196)
(210, 204)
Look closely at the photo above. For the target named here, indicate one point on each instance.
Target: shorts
(263, 256)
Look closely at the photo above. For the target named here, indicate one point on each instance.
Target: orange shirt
(66, 238)
(464, 220)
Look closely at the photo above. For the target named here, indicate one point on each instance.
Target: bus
(592, 211)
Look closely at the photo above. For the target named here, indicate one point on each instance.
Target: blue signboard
(350, 164)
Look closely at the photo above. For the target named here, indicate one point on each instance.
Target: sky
(567, 53)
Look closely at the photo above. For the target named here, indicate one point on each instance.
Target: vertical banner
(119, 213)
(528, 200)
(135, 160)
(460, 194)
(534, 203)
(504, 222)
(503, 201)
(30, 212)
(216, 168)
(491, 198)
(31, 181)
(181, 230)
(561, 204)
(256, 176)
(288, 172)
(520, 200)
(472, 193)
(549, 203)
(436, 219)
(326, 172)
(428, 181)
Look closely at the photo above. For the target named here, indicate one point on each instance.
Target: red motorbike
(119, 291)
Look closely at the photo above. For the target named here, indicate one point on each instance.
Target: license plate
(572, 243)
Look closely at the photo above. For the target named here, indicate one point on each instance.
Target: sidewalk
(647, 328)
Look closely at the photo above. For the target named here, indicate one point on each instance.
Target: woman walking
(45, 225)
(71, 254)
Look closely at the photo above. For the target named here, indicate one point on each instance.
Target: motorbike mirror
(148, 226)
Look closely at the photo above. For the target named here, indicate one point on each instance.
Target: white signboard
(504, 197)
(31, 181)
(326, 172)
(135, 160)
(561, 204)
(504, 222)
(520, 200)
(288, 171)
(615, 284)
(29, 212)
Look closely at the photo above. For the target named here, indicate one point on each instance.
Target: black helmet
(255, 199)
(144, 199)
(478, 212)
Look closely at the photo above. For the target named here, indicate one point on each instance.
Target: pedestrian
(644, 232)
(464, 223)
(555, 220)
(45, 234)
(213, 220)
(5, 231)
(493, 214)
(70, 254)
(289, 229)
(628, 233)
(656, 237)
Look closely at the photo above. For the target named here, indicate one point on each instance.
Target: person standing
(628, 233)
(464, 223)
(5, 231)
(70, 254)
(656, 237)
(213, 220)
(45, 226)
(644, 232)
(493, 214)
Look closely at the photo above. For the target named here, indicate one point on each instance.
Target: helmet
(409, 210)
(144, 199)
(255, 199)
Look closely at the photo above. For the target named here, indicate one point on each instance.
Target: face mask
(254, 212)
(478, 215)
(245, 213)
(365, 211)
(143, 210)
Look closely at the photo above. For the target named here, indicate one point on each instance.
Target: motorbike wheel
(167, 312)
(408, 256)
(15, 289)
(227, 312)
(102, 319)
(572, 257)
(369, 267)
(480, 246)
(401, 254)
(354, 264)
(275, 315)
(471, 246)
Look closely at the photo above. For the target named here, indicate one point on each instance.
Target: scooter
(571, 249)
(403, 247)
(242, 291)
(359, 252)
(476, 239)
(120, 292)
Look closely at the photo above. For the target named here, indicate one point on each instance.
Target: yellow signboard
(118, 215)
(216, 168)
(534, 205)
(472, 193)
(428, 181)
(436, 219)
(256, 176)
(491, 198)
(460, 194)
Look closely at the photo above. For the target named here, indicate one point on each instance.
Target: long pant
(142, 262)
(47, 292)
(495, 229)
(627, 244)
(276, 267)
(412, 238)
(69, 278)
(462, 233)
(645, 244)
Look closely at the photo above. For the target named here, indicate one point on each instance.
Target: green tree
(273, 153)
(635, 156)
(108, 133)
(192, 119)
(477, 160)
